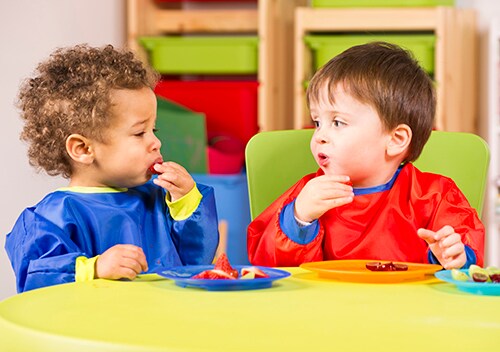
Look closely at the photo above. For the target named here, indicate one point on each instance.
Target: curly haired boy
(89, 115)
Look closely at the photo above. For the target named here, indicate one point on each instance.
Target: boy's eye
(315, 123)
(155, 130)
(338, 123)
(139, 134)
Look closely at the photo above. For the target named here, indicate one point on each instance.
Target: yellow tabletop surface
(299, 313)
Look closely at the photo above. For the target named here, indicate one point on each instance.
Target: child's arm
(446, 245)
(272, 240)
(192, 209)
(41, 253)
(194, 228)
(454, 232)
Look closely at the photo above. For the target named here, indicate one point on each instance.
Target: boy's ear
(399, 141)
(79, 148)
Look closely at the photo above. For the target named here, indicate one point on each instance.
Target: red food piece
(222, 263)
(252, 269)
(213, 274)
(349, 183)
(400, 267)
(495, 278)
(378, 266)
(152, 169)
(479, 277)
(373, 266)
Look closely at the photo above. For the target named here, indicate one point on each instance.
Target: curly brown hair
(388, 78)
(70, 93)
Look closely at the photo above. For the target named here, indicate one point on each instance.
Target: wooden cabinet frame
(455, 54)
(285, 62)
(271, 20)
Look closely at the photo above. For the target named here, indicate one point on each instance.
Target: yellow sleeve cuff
(85, 269)
(184, 207)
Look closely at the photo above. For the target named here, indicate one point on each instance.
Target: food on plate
(477, 274)
(223, 264)
(253, 270)
(480, 277)
(247, 276)
(224, 271)
(476, 269)
(213, 274)
(390, 266)
(459, 275)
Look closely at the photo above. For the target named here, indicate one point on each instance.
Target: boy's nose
(156, 143)
(320, 136)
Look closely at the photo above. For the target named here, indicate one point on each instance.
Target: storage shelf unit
(455, 60)
(272, 20)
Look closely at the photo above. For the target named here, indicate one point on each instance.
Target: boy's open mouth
(322, 159)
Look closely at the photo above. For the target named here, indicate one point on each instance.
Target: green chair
(463, 157)
(278, 159)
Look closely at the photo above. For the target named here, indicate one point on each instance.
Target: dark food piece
(479, 277)
(378, 266)
(495, 278)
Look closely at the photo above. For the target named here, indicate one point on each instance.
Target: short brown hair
(388, 78)
(70, 93)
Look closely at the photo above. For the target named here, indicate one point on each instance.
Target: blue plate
(182, 277)
(478, 288)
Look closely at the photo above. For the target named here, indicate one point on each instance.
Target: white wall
(29, 32)
(488, 11)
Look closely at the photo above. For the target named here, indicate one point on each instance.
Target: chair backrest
(276, 160)
(463, 157)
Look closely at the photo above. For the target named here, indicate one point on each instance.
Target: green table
(299, 313)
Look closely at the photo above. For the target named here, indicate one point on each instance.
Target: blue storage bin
(231, 196)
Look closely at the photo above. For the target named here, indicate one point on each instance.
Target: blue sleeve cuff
(290, 227)
(469, 253)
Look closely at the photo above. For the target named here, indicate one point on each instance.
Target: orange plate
(356, 271)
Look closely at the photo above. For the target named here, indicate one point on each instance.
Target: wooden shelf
(271, 20)
(285, 62)
(455, 54)
(202, 21)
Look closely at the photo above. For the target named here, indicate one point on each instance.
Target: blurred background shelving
(450, 59)
(492, 127)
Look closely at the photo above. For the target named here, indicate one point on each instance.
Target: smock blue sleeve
(196, 238)
(40, 252)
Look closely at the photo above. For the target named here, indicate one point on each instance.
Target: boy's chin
(327, 171)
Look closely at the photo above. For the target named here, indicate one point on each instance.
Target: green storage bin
(380, 3)
(325, 47)
(203, 55)
(183, 136)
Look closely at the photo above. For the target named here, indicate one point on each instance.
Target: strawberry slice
(213, 274)
(222, 263)
(259, 274)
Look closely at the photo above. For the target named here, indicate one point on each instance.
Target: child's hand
(321, 194)
(446, 245)
(175, 179)
(121, 261)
